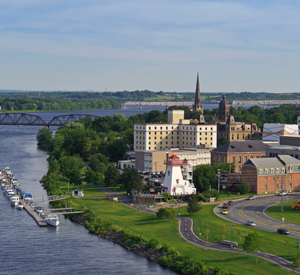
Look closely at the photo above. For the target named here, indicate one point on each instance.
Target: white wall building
(272, 131)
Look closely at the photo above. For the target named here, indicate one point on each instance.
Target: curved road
(254, 210)
(186, 227)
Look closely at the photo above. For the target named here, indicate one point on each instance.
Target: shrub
(165, 248)
(152, 244)
(201, 197)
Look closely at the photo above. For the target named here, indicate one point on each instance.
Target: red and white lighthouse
(174, 180)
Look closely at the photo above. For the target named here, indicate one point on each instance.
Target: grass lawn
(273, 243)
(232, 195)
(87, 189)
(166, 232)
(119, 189)
(289, 214)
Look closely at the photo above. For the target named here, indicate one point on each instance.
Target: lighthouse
(174, 183)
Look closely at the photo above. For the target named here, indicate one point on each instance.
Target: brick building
(268, 175)
(238, 152)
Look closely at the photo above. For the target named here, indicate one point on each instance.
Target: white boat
(19, 206)
(52, 219)
(14, 200)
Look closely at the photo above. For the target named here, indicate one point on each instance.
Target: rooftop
(242, 146)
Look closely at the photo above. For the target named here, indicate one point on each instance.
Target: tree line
(55, 104)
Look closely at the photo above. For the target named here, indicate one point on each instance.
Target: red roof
(173, 157)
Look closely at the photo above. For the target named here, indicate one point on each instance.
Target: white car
(283, 193)
(250, 223)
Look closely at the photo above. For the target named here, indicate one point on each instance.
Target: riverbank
(166, 233)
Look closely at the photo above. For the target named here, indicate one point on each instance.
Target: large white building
(177, 133)
(272, 131)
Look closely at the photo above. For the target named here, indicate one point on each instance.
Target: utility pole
(282, 194)
(218, 175)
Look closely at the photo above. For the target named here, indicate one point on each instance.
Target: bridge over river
(158, 103)
(191, 103)
(264, 102)
(34, 120)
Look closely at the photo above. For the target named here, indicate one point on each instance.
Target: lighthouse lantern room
(174, 183)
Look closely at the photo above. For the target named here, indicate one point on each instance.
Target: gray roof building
(243, 146)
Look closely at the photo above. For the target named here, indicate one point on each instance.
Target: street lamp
(68, 181)
(231, 235)
(179, 206)
(199, 226)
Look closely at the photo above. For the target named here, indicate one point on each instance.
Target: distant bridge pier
(140, 105)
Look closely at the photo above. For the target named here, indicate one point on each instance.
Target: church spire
(197, 104)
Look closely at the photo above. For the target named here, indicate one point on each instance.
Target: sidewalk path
(186, 232)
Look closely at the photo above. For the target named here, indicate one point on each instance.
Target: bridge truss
(34, 120)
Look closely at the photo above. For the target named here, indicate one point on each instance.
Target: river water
(25, 248)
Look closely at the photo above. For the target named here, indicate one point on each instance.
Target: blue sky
(157, 45)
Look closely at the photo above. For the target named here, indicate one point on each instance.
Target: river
(70, 249)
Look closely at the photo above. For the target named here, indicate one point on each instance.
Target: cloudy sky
(244, 45)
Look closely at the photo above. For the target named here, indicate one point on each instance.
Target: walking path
(186, 232)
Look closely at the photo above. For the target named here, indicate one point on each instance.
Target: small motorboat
(39, 209)
(28, 197)
(52, 219)
(19, 206)
(14, 200)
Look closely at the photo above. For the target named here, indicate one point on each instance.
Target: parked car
(225, 205)
(283, 193)
(283, 231)
(225, 211)
(251, 198)
(230, 202)
(250, 223)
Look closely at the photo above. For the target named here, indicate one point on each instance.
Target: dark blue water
(26, 248)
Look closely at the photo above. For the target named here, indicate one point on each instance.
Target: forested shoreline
(146, 95)
(35, 104)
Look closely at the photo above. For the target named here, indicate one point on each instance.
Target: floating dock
(38, 219)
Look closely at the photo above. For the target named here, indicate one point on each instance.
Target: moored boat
(14, 200)
(19, 206)
(52, 219)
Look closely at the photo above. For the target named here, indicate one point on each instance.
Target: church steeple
(197, 104)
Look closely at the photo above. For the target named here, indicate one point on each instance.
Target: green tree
(111, 176)
(166, 196)
(131, 180)
(116, 149)
(44, 138)
(252, 243)
(71, 167)
(167, 213)
(221, 141)
(96, 165)
(193, 206)
(244, 187)
(90, 176)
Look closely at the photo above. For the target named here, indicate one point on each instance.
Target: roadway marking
(188, 234)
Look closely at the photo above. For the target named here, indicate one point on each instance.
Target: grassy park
(289, 214)
(166, 232)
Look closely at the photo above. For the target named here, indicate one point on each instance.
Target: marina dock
(38, 219)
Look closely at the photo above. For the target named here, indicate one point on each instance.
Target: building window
(266, 171)
(233, 159)
(245, 159)
(290, 186)
(273, 178)
(266, 178)
(240, 159)
(290, 177)
(238, 136)
(266, 187)
(276, 186)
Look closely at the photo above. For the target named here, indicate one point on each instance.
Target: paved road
(186, 231)
(255, 210)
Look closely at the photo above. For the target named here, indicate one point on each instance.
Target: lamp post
(68, 181)
(179, 206)
(297, 247)
(199, 226)
(231, 235)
